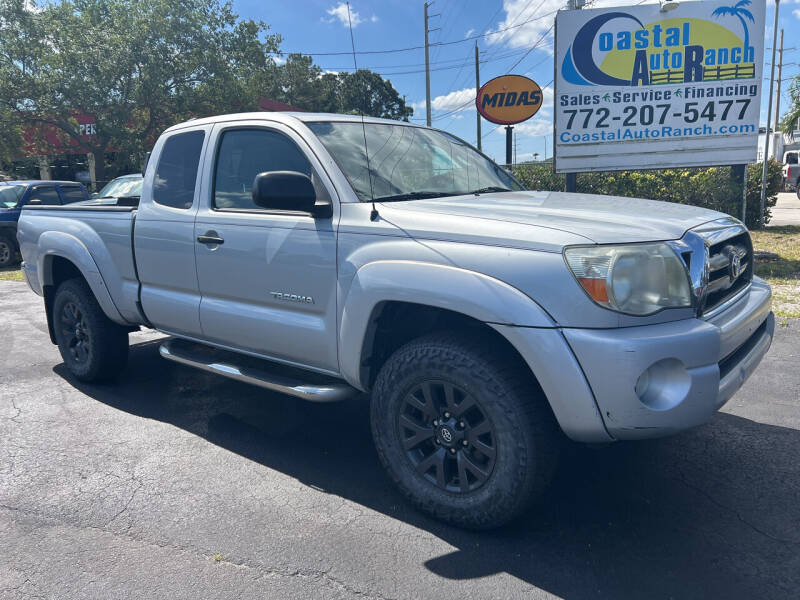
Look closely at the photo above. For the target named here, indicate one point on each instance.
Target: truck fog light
(643, 383)
(664, 385)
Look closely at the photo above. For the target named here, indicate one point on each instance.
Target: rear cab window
(44, 195)
(73, 193)
(176, 173)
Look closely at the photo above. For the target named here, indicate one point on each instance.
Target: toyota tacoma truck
(329, 256)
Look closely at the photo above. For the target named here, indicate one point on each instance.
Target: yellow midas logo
(509, 99)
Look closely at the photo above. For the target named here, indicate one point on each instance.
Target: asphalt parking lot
(177, 484)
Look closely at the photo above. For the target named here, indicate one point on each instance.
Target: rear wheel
(8, 251)
(461, 432)
(93, 347)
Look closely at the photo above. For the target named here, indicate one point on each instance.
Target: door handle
(210, 238)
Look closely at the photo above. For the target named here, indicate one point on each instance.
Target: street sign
(639, 87)
(509, 99)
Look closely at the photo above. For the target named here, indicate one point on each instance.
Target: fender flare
(64, 245)
(470, 293)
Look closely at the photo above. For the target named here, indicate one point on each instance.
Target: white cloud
(796, 14)
(469, 33)
(458, 100)
(536, 127)
(30, 6)
(279, 60)
(526, 22)
(339, 13)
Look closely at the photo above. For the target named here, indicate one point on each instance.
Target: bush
(710, 187)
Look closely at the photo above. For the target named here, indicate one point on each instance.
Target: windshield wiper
(413, 196)
(487, 190)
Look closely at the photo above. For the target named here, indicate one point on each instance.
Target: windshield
(124, 187)
(10, 195)
(406, 163)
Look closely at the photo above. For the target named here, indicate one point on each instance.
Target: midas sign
(509, 99)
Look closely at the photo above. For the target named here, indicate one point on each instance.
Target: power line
(377, 69)
(410, 48)
(544, 35)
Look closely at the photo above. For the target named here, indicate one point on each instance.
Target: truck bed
(102, 233)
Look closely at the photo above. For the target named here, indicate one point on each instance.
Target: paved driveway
(176, 484)
(786, 211)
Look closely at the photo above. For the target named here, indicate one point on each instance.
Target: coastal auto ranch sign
(509, 99)
(638, 87)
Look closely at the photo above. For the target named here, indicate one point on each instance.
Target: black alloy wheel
(447, 436)
(93, 347)
(74, 332)
(463, 429)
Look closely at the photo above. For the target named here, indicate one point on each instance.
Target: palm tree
(741, 13)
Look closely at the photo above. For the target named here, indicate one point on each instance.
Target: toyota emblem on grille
(736, 266)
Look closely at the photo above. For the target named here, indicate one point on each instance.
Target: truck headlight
(635, 279)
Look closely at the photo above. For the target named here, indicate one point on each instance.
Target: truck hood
(581, 218)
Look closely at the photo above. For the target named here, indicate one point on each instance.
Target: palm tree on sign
(739, 11)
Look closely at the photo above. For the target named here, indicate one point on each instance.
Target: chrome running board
(254, 371)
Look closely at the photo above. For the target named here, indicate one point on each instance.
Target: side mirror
(284, 190)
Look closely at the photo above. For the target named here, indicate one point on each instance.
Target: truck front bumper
(660, 379)
(648, 381)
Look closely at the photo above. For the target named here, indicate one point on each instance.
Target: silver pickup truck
(324, 257)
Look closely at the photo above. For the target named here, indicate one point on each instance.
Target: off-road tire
(104, 344)
(528, 440)
(8, 251)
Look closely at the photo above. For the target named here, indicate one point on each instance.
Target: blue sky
(320, 26)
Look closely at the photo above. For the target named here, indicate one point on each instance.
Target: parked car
(325, 256)
(16, 194)
(791, 171)
(126, 186)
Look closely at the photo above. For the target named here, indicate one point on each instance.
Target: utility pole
(477, 87)
(778, 91)
(428, 67)
(762, 208)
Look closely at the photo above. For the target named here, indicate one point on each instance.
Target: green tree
(137, 70)
(791, 118)
(10, 140)
(367, 92)
(305, 85)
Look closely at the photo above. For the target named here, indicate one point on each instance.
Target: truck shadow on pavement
(713, 512)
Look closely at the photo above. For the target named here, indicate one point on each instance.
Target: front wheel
(462, 431)
(93, 347)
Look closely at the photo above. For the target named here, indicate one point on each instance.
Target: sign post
(638, 87)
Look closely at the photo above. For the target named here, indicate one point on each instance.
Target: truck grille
(730, 269)
(720, 261)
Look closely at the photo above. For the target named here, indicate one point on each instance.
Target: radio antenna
(374, 214)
